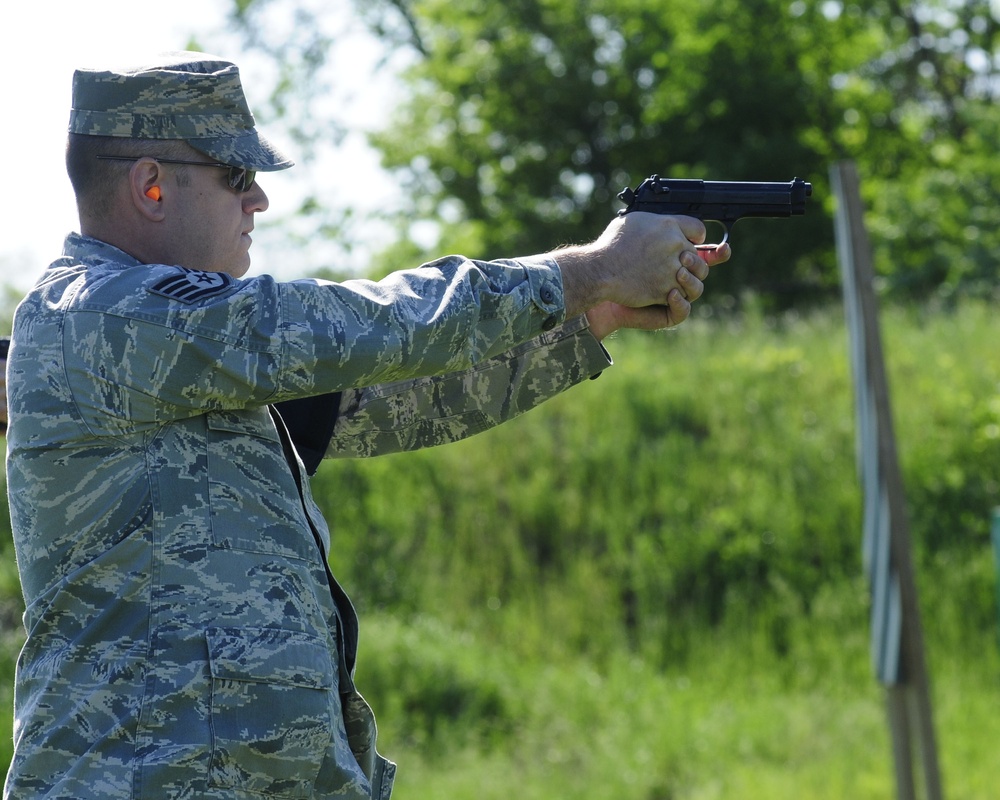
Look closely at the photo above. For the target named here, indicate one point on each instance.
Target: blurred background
(652, 586)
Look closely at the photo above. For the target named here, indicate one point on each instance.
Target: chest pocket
(256, 505)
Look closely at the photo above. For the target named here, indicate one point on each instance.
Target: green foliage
(526, 120)
(651, 587)
(933, 224)
(533, 114)
(946, 373)
(709, 477)
(437, 689)
(9, 298)
(523, 119)
(738, 721)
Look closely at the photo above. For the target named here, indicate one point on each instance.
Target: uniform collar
(93, 252)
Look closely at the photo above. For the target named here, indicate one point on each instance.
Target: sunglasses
(240, 178)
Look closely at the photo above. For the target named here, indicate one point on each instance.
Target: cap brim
(250, 150)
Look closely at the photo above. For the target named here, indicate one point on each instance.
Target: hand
(637, 263)
(608, 317)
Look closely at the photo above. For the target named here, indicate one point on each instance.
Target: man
(185, 635)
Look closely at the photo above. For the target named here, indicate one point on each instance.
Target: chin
(239, 266)
(238, 272)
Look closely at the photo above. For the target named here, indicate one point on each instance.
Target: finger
(713, 254)
(678, 307)
(647, 318)
(695, 264)
(693, 228)
(655, 318)
(691, 286)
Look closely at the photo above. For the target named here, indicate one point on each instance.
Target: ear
(146, 189)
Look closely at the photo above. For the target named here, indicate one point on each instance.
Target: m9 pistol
(722, 202)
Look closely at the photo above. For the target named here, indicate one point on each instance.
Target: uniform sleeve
(444, 317)
(409, 415)
(154, 344)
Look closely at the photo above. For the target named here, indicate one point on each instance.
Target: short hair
(95, 180)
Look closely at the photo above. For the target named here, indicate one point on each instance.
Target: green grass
(736, 721)
(652, 587)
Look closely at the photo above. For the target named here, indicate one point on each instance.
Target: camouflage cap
(185, 95)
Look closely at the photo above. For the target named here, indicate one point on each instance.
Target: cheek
(219, 231)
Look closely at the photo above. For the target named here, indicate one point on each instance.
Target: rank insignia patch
(191, 285)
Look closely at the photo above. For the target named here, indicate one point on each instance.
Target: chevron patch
(192, 285)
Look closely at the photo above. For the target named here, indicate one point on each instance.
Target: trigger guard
(725, 236)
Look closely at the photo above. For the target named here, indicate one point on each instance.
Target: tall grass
(710, 476)
(651, 587)
(691, 519)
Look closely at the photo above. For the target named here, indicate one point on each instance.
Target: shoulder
(152, 290)
(104, 275)
(190, 286)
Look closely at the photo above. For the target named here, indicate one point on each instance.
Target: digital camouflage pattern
(191, 96)
(185, 636)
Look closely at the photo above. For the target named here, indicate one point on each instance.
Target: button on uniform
(547, 295)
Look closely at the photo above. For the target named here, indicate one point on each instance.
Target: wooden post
(897, 638)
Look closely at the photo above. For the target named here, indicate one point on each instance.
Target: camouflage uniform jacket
(185, 637)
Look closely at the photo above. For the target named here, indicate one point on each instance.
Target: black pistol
(722, 202)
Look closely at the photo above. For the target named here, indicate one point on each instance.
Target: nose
(254, 199)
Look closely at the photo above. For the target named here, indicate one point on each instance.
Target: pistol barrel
(725, 200)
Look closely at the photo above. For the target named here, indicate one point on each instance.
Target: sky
(47, 41)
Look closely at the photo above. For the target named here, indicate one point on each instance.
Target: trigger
(726, 224)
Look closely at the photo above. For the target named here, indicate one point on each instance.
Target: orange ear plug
(153, 193)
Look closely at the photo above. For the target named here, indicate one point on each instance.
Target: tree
(524, 118)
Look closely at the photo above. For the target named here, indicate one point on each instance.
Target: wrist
(584, 283)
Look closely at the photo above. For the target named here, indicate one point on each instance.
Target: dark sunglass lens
(241, 179)
(236, 175)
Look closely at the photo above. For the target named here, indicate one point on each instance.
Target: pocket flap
(270, 655)
(248, 422)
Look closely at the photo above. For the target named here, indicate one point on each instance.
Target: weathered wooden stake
(897, 639)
